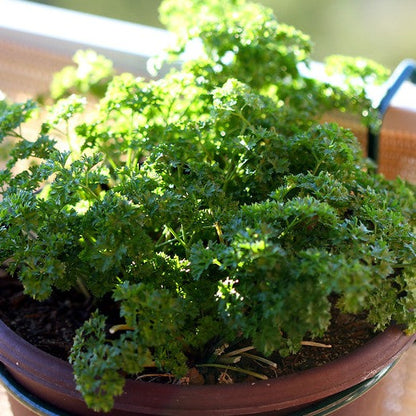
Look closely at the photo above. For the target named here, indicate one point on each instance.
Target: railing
(62, 32)
(37, 40)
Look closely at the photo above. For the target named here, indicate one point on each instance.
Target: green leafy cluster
(91, 74)
(209, 206)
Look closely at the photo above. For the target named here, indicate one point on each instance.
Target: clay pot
(330, 389)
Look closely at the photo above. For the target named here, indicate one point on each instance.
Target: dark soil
(51, 325)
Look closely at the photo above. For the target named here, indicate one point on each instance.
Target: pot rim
(28, 364)
(322, 408)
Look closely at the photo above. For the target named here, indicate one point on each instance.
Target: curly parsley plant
(209, 205)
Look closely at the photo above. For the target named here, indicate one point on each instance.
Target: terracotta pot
(332, 387)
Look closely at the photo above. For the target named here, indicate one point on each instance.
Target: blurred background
(383, 30)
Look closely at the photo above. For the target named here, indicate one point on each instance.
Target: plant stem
(120, 327)
(83, 289)
(176, 235)
(315, 344)
(260, 359)
(236, 369)
(239, 351)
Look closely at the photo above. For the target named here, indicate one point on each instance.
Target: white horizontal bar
(129, 45)
(65, 31)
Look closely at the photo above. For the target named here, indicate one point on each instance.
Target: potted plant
(210, 225)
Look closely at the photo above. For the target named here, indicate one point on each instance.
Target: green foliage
(361, 70)
(90, 75)
(12, 116)
(97, 358)
(355, 77)
(207, 206)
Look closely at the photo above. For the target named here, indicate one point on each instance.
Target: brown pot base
(349, 402)
(51, 379)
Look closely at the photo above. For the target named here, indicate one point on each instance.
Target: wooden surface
(4, 403)
(26, 72)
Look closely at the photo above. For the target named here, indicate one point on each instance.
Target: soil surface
(51, 325)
